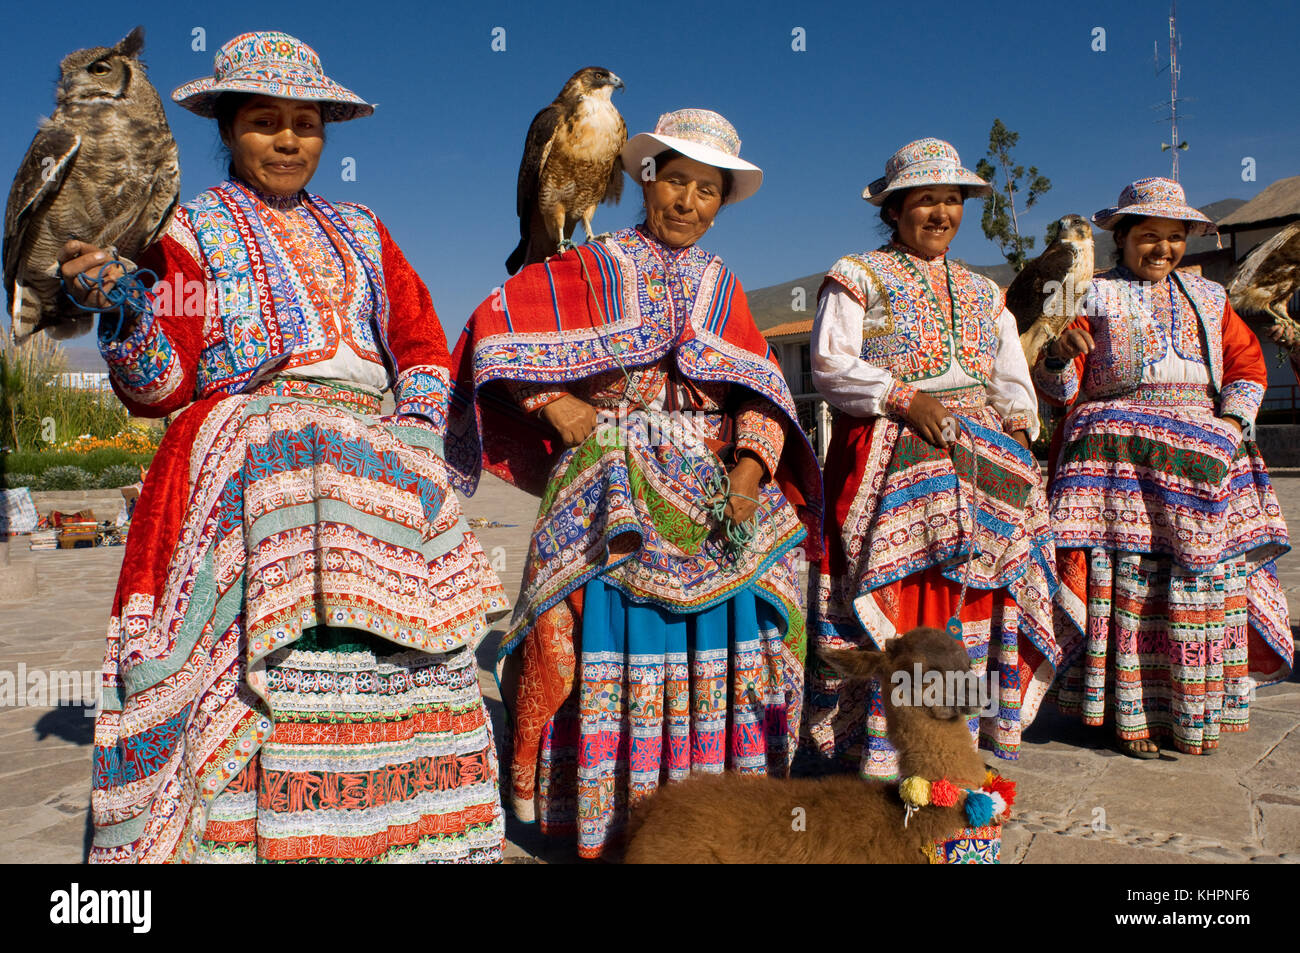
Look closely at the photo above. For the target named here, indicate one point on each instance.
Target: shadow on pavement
(74, 723)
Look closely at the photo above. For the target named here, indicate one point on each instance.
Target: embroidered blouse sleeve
(1011, 392)
(760, 429)
(839, 373)
(153, 368)
(1059, 383)
(415, 339)
(1245, 375)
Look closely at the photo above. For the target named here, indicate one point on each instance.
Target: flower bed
(86, 463)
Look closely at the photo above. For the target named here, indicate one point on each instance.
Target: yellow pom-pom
(989, 776)
(915, 791)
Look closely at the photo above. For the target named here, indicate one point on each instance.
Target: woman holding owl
(290, 672)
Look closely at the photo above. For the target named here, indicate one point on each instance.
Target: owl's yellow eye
(99, 68)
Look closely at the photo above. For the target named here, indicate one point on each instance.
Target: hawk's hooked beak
(615, 82)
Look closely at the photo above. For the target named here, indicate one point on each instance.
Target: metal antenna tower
(1174, 145)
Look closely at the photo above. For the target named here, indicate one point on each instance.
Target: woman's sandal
(1130, 748)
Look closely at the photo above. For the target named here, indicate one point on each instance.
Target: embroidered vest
(262, 316)
(1129, 336)
(903, 332)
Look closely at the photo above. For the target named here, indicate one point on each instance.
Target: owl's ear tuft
(132, 43)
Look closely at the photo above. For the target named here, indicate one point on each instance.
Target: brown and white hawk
(1049, 292)
(570, 165)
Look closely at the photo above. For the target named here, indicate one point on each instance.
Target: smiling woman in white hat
(693, 661)
(924, 364)
(290, 656)
(1165, 519)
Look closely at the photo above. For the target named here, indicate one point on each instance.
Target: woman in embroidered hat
(938, 516)
(1166, 523)
(660, 628)
(290, 671)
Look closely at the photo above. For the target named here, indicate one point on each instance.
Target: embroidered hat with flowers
(1155, 198)
(271, 64)
(925, 162)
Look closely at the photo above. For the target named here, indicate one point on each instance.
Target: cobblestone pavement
(1079, 802)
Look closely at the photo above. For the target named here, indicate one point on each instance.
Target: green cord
(740, 536)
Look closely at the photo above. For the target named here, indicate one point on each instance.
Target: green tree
(1001, 219)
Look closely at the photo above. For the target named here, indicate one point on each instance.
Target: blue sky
(438, 160)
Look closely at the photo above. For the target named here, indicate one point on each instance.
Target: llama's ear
(853, 663)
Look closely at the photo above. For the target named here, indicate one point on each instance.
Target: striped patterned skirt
(648, 648)
(289, 672)
(1167, 528)
(659, 695)
(899, 542)
(376, 754)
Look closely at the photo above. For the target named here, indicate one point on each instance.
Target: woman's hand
(1070, 345)
(927, 416)
(1020, 437)
(745, 477)
(573, 419)
(1285, 335)
(77, 258)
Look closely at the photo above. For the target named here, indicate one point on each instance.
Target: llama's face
(925, 670)
(949, 689)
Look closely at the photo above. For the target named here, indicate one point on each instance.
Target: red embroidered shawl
(548, 325)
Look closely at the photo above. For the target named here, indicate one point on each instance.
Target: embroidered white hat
(1155, 198)
(699, 134)
(925, 162)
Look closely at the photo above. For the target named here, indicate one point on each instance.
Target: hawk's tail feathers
(516, 259)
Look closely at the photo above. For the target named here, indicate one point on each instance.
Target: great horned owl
(1049, 293)
(102, 169)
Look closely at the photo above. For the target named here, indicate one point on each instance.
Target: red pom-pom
(943, 793)
(1004, 787)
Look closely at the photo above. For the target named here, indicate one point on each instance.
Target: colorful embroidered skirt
(1156, 472)
(898, 530)
(265, 515)
(1168, 530)
(659, 695)
(648, 649)
(377, 754)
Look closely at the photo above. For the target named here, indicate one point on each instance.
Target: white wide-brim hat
(1155, 198)
(921, 163)
(698, 134)
(271, 64)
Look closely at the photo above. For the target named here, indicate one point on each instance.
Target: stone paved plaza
(1079, 802)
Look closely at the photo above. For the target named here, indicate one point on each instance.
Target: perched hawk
(1266, 278)
(1048, 294)
(102, 169)
(570, 165)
